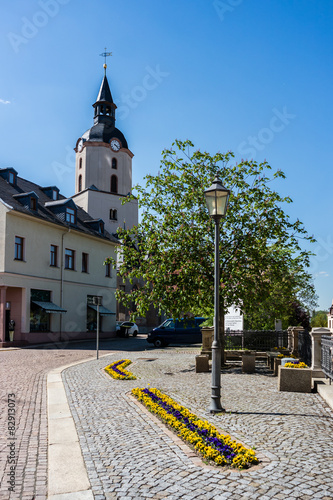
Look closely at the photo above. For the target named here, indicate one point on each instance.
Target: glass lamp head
(217, 197)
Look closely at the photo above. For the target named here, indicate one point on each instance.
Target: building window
(70, 215)
(114, 163)
(80, 163)
(101, 228)
(19, 247)
(54, 256)
(39, 318)
(69, 259)
(108, 270)
(92, 315)
(85, 258)
(80, 182)
(114, 184)
(33, 204)
(113, 214)
(54, 195)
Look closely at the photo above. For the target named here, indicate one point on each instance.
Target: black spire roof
(104, 92)
(104, 128)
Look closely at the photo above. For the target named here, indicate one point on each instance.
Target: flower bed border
(117, 370)
(204, 437)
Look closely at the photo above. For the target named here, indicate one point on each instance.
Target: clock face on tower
(80, 145)
(115, 144)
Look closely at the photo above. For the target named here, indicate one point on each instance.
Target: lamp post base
(216, 410)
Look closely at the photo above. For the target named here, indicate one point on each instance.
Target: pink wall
(14, 296)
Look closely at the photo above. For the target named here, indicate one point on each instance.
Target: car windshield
(169, 323)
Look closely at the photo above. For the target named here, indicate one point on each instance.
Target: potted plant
(294, 376)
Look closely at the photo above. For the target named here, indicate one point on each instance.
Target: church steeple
(104, 106)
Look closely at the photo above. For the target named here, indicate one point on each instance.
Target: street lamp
(216, 197)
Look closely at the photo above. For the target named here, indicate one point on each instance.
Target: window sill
(20, 260)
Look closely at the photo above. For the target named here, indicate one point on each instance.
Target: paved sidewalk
(129, 456)
(23, 374)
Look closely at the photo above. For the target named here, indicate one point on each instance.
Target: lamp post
(216, 197)
(97, 301)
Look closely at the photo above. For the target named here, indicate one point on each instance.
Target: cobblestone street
(128, 456)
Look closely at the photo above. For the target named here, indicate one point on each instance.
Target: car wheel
(158, 343)
(135, 333)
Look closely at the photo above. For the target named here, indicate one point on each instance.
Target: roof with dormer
(10, 197)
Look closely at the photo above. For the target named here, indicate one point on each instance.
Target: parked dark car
(179, 331)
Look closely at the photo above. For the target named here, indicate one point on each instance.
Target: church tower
(103, 171)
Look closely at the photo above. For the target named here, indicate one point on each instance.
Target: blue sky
(251, 76)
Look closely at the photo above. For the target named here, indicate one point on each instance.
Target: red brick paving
(23, 373)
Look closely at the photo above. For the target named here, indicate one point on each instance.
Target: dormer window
(11, 177)
(28, 200)
(52, 192)
(33, 203)
(70, 215)
(101, 228)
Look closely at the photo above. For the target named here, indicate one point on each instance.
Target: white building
(51, 265)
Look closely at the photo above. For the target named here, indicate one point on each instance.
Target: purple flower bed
(216, 443)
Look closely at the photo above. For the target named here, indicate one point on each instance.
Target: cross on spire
(105, 55)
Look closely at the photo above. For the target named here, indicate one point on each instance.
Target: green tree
(172, 248)
(319, 318)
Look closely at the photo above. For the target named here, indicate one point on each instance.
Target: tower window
(114, 184)
(113, 214)
(80, 163)
(114, 163)
(108, 270)
(80, 182)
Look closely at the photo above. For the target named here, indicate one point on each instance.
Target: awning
(103, 311)
(49, 307)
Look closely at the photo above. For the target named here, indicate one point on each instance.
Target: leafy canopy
(171, 251)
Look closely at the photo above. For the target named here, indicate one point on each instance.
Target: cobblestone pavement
(129, 456)
(23, 374)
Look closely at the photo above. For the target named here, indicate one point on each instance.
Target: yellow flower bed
(117, 370)
(204, 437)
(296, 365)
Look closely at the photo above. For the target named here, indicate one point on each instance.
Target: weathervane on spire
(105, 55)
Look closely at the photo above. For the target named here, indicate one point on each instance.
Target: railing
(326, 355)
(256, 339)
